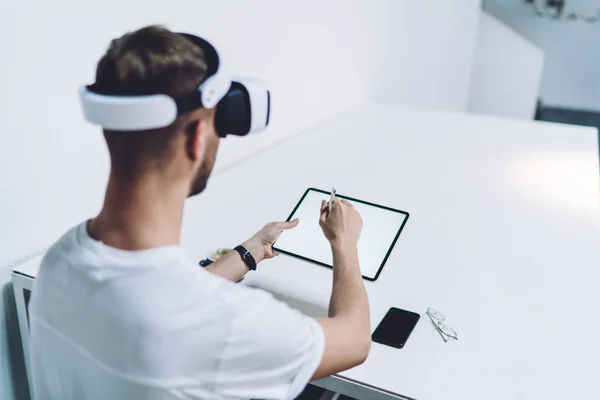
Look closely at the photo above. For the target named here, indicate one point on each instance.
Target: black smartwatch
(246, 257)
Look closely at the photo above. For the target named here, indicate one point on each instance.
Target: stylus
(333, 191)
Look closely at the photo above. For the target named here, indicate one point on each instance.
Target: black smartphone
(395, 328)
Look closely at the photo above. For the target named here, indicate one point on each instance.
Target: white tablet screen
(381, 229)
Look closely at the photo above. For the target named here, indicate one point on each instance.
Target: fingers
(324, 212)
(288, 225)
(323, 216)
(337, 204)
(323, 206)
(347, 203)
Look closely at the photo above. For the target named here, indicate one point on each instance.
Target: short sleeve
(271, 353)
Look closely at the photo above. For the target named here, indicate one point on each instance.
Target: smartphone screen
(395, 328)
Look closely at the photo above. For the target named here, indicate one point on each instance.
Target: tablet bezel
(358, 201)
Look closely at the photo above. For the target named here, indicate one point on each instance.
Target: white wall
(54, 165)
(425, 52)
(319, 58)
(507, 72)
(572, 58)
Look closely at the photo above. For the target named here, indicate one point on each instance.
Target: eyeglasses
(444, 330)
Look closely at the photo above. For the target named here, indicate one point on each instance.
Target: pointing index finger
(289, 224)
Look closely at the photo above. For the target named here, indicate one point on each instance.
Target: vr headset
(243, 104)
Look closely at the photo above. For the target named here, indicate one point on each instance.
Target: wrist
(255, 248)
(343, 244)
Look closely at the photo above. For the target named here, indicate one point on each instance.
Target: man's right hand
(349, 305)
(342, 224)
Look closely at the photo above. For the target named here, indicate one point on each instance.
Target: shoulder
(63, 246)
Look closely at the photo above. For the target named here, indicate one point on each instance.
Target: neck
(140, 215)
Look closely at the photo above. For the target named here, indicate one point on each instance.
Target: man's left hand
(260, 245)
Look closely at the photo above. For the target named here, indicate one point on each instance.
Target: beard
(201, 179)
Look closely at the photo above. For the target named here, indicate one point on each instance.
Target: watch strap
(246, 257)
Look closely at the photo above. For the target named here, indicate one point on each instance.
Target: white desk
(503, 238)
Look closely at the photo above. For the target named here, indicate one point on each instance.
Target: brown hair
(150, 60)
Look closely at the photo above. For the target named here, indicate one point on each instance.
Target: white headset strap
(133, 113)
(128, 113)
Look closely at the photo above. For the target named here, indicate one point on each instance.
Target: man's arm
(347, 330)
(232, 267)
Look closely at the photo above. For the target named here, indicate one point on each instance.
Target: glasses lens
(435, 314)
(446, 330)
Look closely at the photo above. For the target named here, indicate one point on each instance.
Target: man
(119, 312)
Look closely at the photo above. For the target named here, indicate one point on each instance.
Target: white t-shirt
(151, 324)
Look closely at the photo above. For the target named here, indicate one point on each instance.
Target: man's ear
(194, 136)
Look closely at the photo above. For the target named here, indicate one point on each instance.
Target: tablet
(382, 227)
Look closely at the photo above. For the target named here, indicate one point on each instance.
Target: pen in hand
(333, 192)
